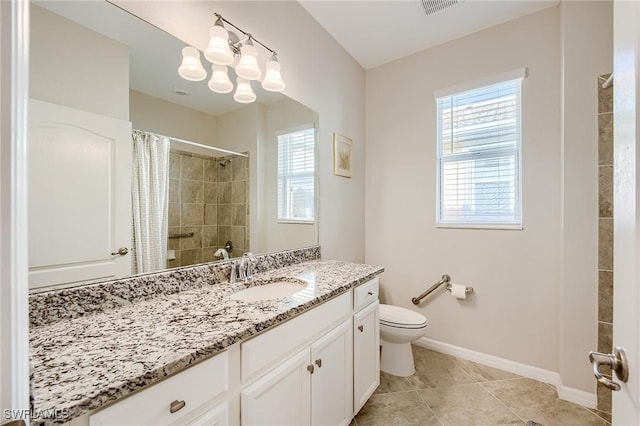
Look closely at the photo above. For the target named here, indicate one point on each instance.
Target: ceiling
(375, 32)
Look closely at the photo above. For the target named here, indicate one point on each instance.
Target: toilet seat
(398, 317)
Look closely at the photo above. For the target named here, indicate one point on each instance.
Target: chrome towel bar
(185, 235)
(444, 280)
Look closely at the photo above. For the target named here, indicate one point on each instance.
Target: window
(479, 157)
(296, 176)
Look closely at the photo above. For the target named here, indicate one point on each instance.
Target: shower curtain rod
(199, 145)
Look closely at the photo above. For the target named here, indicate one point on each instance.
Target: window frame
(283, 132)
(498, 79)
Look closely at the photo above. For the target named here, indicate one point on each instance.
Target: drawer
(365, 294)
(276, 343)
(195, 386)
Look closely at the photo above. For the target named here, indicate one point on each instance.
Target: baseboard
(564, 392)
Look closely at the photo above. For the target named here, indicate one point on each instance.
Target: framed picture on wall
(342, 160)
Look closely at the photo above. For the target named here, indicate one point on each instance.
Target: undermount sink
(269, 290)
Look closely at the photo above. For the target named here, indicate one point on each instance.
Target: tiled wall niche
(209, 197)
(605, 231)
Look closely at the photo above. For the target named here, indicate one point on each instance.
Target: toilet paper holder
(446, 279)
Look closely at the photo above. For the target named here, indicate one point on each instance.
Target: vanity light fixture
(191, 68)
(227, 49)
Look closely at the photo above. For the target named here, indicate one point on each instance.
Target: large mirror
(123, 154)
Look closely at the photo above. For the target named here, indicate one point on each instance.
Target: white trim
(564, 392)
(14, 367)
(298, 128)
(481, 82)
(479, 226)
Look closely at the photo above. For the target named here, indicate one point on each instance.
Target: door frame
(14, 319)
(626, 100)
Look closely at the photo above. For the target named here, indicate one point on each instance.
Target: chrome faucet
(246, 266)
(233, 272)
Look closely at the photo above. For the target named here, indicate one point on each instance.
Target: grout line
(428, 406)
(501, 402)
(593, 414)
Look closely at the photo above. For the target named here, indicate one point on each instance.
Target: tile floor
(446, 390)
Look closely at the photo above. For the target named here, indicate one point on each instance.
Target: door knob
(618, 363)
(121, 252)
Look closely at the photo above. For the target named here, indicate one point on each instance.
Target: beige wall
(243, 131)
(515, 310)
(587, 52)
(166, 118)
(318, 72)
(59, 72)
(284, 115)
(535, 300)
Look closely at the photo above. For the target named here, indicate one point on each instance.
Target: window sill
(486, 226)
(296, 222)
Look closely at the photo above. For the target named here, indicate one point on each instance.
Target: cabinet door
(366, 354)
(331, 381)
(282, 396)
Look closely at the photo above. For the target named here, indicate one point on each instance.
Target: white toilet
(398, 328)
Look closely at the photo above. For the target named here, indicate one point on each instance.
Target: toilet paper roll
(459, 291)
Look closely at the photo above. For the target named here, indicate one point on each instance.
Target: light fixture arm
(247, 36)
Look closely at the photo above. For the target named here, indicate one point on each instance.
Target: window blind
(296, 176)
(479, 138)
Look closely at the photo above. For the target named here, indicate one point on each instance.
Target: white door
(79, 195)
(281, 397)
(331, 384)
(626, 92)
(366, 354)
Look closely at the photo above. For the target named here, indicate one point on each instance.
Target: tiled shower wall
(210, 200)
(605, 231)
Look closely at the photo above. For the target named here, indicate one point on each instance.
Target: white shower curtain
(150, 193)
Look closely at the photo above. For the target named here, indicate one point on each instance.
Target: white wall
(59, 72)
(318, 72)
(514, 313)
(587, 52)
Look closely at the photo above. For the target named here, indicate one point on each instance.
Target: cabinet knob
(361, 328)
(319, 362)
(176, 406)
(370, 293)
(310, 368)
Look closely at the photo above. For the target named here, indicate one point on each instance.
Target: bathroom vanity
(198, 356)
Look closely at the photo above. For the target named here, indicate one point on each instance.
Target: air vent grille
(434, 6)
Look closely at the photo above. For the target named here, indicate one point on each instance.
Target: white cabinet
(217, 416)
(331, 384)
(202, 395)
(366, 354)
(318, 368)
(312, 387)
(281, 397)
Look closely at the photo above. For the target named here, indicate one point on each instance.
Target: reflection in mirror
(100, 76)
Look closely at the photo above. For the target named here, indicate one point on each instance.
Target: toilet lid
(397, 316)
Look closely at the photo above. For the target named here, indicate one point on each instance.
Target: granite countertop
(83, 363)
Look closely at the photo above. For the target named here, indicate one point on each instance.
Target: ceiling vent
(434, 6)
